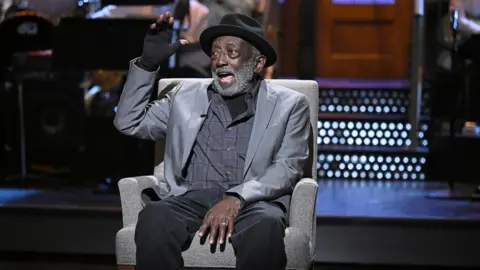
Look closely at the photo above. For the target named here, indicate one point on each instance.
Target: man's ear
(260, 63)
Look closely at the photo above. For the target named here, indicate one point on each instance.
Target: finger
(231, 227)
(169, 22)
(164, 21)
(222, 232)
(203, 229)
(213, 233)
(160, 18)
(178, 43)
(164, 17)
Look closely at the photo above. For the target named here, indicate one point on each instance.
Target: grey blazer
(278, 148)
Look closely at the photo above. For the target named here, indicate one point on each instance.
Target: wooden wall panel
(289, 37)
(363, 40)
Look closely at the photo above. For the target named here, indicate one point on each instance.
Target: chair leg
(125, 267)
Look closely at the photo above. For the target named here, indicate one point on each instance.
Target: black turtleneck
(243, 103)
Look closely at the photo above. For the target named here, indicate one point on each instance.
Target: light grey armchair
(300, 235)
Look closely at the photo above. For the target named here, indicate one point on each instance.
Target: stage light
(371, 167)
(377, 101)
(371, 133)
(379, 133)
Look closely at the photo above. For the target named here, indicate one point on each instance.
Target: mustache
(224, 70)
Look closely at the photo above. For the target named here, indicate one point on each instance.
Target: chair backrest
(308, 88)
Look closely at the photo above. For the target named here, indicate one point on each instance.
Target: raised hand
(220, 220)
(157, 45)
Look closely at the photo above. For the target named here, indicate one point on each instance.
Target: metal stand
(24, 175)
(173, 61)
(181, 11)
(416, 81)
(454, 193)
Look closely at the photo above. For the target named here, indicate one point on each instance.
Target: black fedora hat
(244, 27)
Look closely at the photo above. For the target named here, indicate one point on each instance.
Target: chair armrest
(302, 214)
(130, 196)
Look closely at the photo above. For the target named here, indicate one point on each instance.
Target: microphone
(454, 19)
(454, 24)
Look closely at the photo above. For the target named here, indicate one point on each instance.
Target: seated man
(235, 148)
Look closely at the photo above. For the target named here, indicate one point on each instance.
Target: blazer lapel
(264, 109)
(199, 106)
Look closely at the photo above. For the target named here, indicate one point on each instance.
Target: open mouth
(226, 77)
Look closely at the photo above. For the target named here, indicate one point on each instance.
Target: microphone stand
(455, 65)
(182, 11)
(453, 193)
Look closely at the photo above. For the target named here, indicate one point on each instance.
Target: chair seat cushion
(297, 246)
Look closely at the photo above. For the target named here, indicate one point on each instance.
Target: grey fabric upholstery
(300, 236)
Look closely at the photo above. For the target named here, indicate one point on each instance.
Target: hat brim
(210, 34)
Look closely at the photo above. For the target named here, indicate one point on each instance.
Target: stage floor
(357, 222)
(336, 198)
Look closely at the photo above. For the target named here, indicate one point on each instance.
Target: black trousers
(166, 228)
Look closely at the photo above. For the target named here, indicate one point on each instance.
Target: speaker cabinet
(9, 129)
(54, 118)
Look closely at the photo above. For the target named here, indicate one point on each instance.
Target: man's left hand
(220, 220)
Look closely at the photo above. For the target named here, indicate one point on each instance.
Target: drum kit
(30, 31)
(29, 25)
(27, 32)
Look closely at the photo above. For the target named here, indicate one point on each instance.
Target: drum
(22, 33)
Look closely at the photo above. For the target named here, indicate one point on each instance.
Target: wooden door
(359, 40)
(289, 36)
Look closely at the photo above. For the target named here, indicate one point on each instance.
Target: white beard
(243, 78)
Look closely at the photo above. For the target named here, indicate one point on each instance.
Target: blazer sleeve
(287, 168)
(135, 115)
